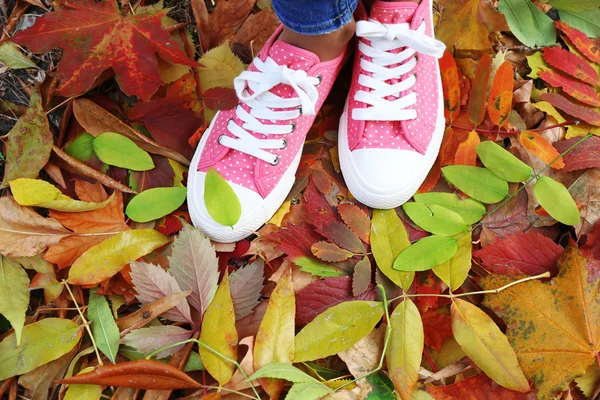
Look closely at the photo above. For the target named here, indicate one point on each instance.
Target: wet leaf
(104, 328)
(502, 163)
(528, 23)
(470, 210)
(556, 200)
(14, 294)
(330, 252)
(500, 102)
(479, 183)
(155, 203)
(486, 345)
(222, 203)
(455, 271)
(426, 253)
(120, 151)
(435, 219)
(478, 95)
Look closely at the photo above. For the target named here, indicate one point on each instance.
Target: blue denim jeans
(314, 17)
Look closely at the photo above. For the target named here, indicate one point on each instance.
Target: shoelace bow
(384, 38)
(253, 89)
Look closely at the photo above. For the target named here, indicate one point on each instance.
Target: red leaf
(478, 95)
(161, 175)
(571, 64)
(220, 98)
(451, 86)
(584, 155)
(343, 236)
(478, 387)
(428, 283)
(521, 253)
(500, 102)
(139, 374)
(330, 252)
(322, 294)
(296, 240)
(581, 91)
(586, 114)
(593, 241)
(98, 37)
(466, 154)
(584, 44)
(437, 328)
(318, 211)
(356, 219)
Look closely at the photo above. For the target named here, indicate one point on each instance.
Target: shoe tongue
(391, 12)
(291, 56)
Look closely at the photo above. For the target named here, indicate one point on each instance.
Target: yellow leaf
(14, 294)
(218, 332)
(552, 326)
(405, 348)
(486, 345)
(79, 391)
(454, 271)
(110, 256)
(178, 169)
(278, 216)
(550, 110)
(39, 193)
(275, 337)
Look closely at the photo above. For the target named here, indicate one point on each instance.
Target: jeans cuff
(344, 16)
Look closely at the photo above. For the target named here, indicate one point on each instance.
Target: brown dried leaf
(225, 19)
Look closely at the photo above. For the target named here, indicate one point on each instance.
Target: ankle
(327, 47)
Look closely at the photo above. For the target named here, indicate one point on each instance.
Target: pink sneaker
(256, 147)
(393, 122)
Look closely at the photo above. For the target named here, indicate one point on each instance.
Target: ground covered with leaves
(485, 286)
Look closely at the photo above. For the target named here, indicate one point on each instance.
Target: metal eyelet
(299, 111)
(275, 161)
(293, 125)
(320, 78)
(283, 144)
(417, 58)
(219, 139)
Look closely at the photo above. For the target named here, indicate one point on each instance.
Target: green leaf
(12, 57)
(81, 148)
(426, 253)
(308, 391)
(586, 21)
(454, 271)
(479, 183)
(502, 163)
(556, 200)
(470, 210)
(194, 363)
(579, 5)
(120, 151)
(317, 268)
(155, 203)
(104, 327)
(528, 23)
(221, 201)
(337, 329)
(388, 239)
(14, 294)
(81, 391)
(405, 348)
(383, 388)
(41, 342)
(435, 219)
(282, 370)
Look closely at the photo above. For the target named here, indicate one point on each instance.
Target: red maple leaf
(98, 36)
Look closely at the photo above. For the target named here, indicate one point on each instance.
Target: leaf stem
(86, 324)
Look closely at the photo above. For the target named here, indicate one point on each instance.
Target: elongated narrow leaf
(479, 183)
(502, 163)
(454, 271)
(109, 257)
(337, 329)
(576, 89)
(556, 200)
(54, 335)
(38, 193)
(528, 23)
(571, 64)
(222, 203)
(426, 253)
(218, 332)
(274, 341)
(280, 370)
(155, 203)
(539, 146)
(435, 219)
(500, 102)
(115, 149)
(388, 239)
(308, 391)
(470, 210)
(451, 86)
(478, 95)
(405, 348)
(104, 328)
(486, 345)
(12, 57)
(14, 294)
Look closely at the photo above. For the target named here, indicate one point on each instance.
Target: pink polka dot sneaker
(256, 147)
(393, 122)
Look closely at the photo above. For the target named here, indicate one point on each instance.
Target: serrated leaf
(356, 219)
(502, 163)
(12, 57)
(586, 114)
(426, 253)
(571, 64)
(246, 286)
(454, 271)
(486, 345)
(147, 340)
(342, 236)
(110, 256)
(478, 94)
(576, 89)
(280, 370)
(479, 183)
(222, 203)
(470, 210)
(115, 149)
(586, 21)
(14, 294)
(56, 336)
(39, 193)
(194, 265)
(528, 23)
(435, 219)
(584, 44)
(388, 239)
(218, 332)
(308, 391)
(330, 252)
(337, 329)
(405, 348)
(104, 328)
(155, 203)
(556, 200)
(539, 146)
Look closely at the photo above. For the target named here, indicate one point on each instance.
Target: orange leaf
(451, 86)
(330, 252)
(69, 249)
(579, 90)
(466, 154)
(478, 96)
(432, 177)
(539, 146)
(500, 102)
(356, 219)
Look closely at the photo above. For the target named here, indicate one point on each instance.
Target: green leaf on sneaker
(556, 200)
(221, 201)
(435, 219)
(427, 253)
(479, 183)
(120, 151)
(469, 209)
(155, 203)
(502, 163)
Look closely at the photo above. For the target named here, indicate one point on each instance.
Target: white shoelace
(384, 38)
(261, 104)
